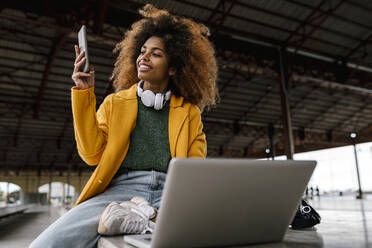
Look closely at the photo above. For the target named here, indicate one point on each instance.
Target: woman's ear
(171, 71)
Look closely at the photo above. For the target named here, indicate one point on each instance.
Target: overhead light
(353, 135)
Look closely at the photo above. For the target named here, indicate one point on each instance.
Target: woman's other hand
(82, 80)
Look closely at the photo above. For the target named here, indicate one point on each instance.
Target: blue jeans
(78, 227)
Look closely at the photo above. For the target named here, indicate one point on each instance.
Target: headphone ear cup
(159, 98)
(139, 90)
(148, 98)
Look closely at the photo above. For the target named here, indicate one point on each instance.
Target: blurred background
(294, 77)
(295, 81)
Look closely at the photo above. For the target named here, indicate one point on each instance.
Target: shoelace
(146, 217)
(114, 214)
(136, 220)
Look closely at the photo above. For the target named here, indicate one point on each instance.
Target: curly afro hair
(189, 51)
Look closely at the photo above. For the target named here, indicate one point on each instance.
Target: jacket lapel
(124, 117)
(177, 116)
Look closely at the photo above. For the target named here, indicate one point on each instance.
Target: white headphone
(149, 99)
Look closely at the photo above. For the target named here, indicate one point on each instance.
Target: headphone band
(149, 99)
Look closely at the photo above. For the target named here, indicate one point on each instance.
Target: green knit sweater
(149, 141)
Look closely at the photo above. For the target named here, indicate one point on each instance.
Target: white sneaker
(130, 217)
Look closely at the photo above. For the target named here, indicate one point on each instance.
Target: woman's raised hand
(82, 80)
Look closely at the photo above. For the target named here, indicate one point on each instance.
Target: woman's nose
(145, 56)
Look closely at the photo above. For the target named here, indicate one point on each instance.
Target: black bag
(305, 217)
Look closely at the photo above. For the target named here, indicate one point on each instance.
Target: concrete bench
(293, 238)
(12, 210)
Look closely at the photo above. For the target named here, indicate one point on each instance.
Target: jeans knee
(47, 241)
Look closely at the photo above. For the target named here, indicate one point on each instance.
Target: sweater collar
(131, 93)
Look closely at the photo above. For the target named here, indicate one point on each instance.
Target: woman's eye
(142, 52)
(156, 55)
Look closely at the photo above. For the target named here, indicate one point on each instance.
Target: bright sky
(335, 171)
(12, 187)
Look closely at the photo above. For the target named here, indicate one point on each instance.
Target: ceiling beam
(305, 4)
(351, 117)
(104, 38)
(57, 44)
(333, 85)
(68, 123)
(100, 17)
(361, 44)
(19, 124)
(305, 22)
(327, 110)
(257, 22)
(320, 20)
(296, 20)
(219, 20)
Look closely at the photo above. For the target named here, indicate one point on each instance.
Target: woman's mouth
(144, 68)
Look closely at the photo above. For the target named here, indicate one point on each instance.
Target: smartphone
(83, 46)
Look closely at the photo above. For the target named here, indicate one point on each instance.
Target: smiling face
(153, 63)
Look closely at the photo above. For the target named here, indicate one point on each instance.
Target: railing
(12, 210)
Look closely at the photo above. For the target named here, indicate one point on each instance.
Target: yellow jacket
(102, 137)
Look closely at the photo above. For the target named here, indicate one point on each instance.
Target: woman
(164, 77)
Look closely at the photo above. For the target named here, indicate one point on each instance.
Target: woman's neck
(155, 88)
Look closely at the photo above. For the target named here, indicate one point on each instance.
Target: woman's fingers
(77, 51)
(82, 79)
(82, 74)
(79, 57)
(77, 65)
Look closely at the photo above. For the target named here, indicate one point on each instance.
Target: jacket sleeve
(197, 141)
(90, 128)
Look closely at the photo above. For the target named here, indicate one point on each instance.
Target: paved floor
(346, 223)
(19, 230)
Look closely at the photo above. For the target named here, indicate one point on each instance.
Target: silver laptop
(226, 202)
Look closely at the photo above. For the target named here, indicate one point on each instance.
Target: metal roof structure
(287, 68)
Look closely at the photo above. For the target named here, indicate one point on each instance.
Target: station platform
(19, 230)
(346, 222)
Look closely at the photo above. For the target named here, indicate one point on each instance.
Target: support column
(7, 194)
(63, 194)
(38, 185)
(34, 186)
(27, 181)
(50, 187)
(271, 133)
(68, 199)
(284, 99)
(360, 192)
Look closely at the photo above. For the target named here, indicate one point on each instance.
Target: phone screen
(83, 46)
